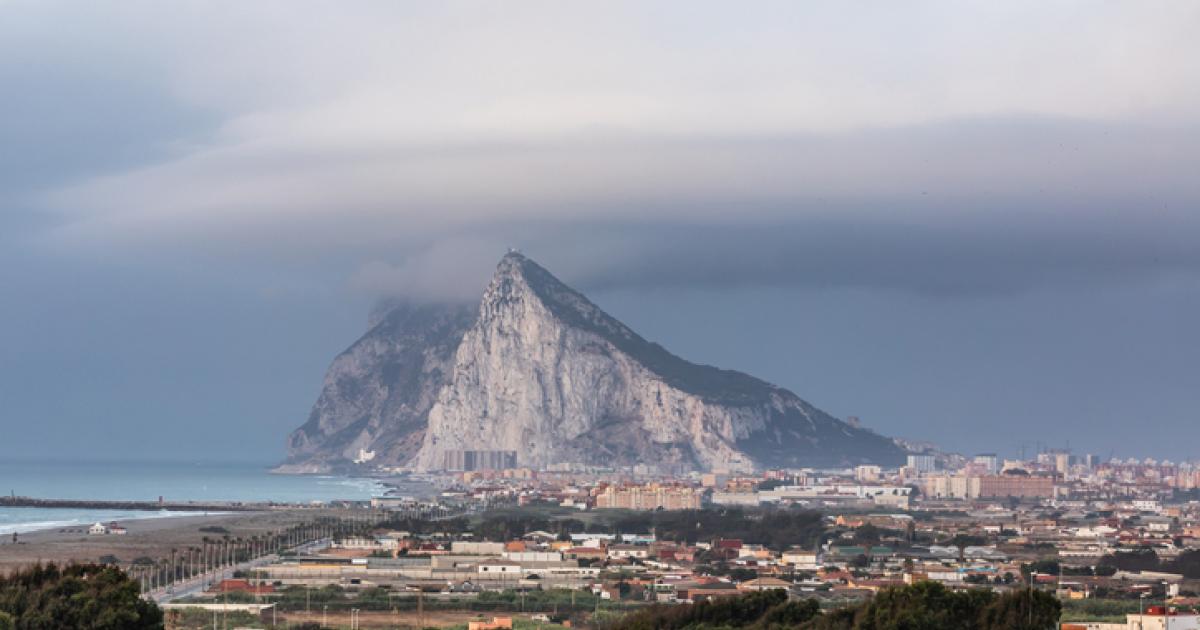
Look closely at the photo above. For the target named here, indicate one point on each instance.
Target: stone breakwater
(175, 506)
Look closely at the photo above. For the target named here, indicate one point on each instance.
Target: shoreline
(133, 525)
(125, 518)
(147, 537)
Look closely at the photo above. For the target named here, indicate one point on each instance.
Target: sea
(147, 481)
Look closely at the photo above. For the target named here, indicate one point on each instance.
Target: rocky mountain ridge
(539, 371)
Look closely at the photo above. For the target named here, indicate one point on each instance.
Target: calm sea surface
(144, 481)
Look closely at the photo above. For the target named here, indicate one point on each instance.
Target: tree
(840, 619)
(85, 596)
(790, 614)
(6, 621)
(868, 535)
(1188, 563)
(924, 605)
(1024, 609)
(732, 612)
(1137, 560)
(962, 541)
(1041, 567)
(740, 574)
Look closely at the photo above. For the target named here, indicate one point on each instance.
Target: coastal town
(678, 315)
(1117, 543)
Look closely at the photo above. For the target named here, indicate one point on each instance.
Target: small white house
(99, 529)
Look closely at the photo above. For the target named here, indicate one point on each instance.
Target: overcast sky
(975, 223)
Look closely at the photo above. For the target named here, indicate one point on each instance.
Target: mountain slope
(538, 369)
(377, 393)
(546, 373)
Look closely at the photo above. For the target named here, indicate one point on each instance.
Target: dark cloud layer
(226, 189)
(934, 260)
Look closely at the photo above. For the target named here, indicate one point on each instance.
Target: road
(196, 585)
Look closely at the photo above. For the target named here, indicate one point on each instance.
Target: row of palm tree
(215, 555)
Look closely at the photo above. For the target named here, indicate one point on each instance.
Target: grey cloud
(939, 261)
(964, 208)
(229, 182)
(959, 173)
(936, 260)
(73, 108)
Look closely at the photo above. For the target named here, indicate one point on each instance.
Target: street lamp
(1166, 610)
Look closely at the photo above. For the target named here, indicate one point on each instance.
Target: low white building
(1147, 505)
(533, 556)
(628, 551)
(477, 548)
(1155, 618)
(735, 498)
(499, 568)
(801, 560)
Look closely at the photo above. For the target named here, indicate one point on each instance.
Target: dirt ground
(403, 619)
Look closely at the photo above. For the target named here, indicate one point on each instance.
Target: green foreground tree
(921, 606)
(83, 596)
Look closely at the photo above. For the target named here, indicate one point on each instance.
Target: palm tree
(204, 554)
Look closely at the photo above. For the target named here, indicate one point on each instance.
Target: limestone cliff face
(377, 394)
(536, 368)
(546, 373)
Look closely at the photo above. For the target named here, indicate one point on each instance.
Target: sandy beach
(153, 537)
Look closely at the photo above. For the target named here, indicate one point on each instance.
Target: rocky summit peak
(512, 263)
(536, 375)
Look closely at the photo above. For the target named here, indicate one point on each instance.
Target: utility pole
(1031, 574)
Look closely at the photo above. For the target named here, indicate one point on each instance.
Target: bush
(200, 619)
